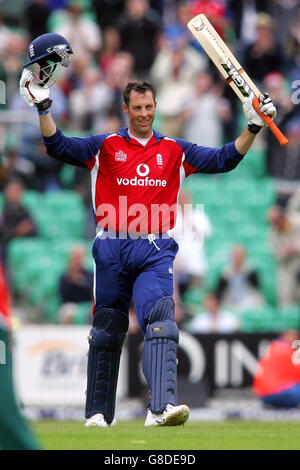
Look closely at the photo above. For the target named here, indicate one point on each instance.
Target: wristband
(44, 112)
(44, 105)
(254, 128)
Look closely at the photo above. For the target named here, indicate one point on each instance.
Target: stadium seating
(236, 204)
(58, 214)
(37, 263)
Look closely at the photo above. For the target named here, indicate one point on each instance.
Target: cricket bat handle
(271, 124)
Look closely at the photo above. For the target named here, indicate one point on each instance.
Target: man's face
(13, 193)
(141, 113)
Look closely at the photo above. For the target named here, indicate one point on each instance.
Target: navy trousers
(127, 268)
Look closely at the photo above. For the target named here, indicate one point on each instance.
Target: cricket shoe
(99, 420)
(171, 416)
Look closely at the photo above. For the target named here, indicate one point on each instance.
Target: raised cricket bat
(229, 67)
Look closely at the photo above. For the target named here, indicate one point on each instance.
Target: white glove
(266, 106)
(33, 94)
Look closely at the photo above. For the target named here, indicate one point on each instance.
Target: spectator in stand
(215, 10)
(213, 319)
(281, 162)
(15, 220)
(5, 34)
(173, 72)
(107, 12)
(286, 14)
(288, 168)
(192, 228)
(110, 49)
(90, 103)
(139, 35)
(239, 287)
(36, 16)
(82, 33)
(264, 55)
(12, 59)
(12, 167)
(119, 74)
(277, 379)
(285, 245)
(206, 113)
(177, 32)
(76, 284)
(244, 18)
(293, 209)
(73, 78)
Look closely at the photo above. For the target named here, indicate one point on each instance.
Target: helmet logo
(31, 50)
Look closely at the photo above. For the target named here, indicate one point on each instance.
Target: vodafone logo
(142, 170)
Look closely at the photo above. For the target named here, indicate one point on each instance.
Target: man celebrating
(136, 176)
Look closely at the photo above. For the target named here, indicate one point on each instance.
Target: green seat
(194, 295)
(74, 221)
(22, 248)
(53, 225)
(23, 255)
(33, 201)
(255, 162)
(61, 251)
(268, 279)
(63, 200)
(259, 320)
(288, 318)
(45, 294)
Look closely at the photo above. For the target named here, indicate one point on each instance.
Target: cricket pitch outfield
(132, 435)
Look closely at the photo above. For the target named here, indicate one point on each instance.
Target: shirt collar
(124, 133)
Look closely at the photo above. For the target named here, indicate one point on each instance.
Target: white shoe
(171, 416)
(99, 420)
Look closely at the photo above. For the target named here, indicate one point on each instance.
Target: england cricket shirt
(135, 187)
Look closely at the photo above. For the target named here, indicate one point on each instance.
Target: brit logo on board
(120, 156)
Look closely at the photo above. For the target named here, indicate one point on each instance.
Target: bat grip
(270, 123)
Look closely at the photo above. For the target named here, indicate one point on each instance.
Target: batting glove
(33, 94)
(266, 106)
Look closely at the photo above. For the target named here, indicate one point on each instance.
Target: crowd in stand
(115, 41)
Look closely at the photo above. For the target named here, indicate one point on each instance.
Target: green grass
(227, 435)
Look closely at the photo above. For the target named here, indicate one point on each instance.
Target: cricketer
(136, 175)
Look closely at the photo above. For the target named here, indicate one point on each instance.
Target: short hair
(139, 87)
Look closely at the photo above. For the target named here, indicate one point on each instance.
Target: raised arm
(38, 96)
(226, 158)
(72, 150)
(244, 141)
(47, 125)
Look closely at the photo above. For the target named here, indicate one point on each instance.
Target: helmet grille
(63, 53)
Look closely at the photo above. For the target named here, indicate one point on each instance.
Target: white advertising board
(50, 365)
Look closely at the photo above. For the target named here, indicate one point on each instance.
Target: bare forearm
(47, 125)
(244, 141)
